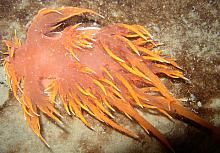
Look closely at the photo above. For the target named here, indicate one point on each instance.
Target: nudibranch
(91, 69)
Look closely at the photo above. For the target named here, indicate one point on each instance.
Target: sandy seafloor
(191, 32)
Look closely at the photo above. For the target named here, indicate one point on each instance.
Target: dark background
(191, 32)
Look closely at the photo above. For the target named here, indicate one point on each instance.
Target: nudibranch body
(93, 70)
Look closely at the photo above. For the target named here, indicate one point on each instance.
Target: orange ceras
(91, 69)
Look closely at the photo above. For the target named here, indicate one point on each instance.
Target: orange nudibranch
(92, 69)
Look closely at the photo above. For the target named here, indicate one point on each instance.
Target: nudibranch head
(91, 69)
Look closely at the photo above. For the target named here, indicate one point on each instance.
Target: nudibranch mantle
(91, 69)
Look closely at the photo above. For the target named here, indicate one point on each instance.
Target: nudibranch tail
(92, 70)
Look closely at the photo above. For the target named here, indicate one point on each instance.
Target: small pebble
(199, 104)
